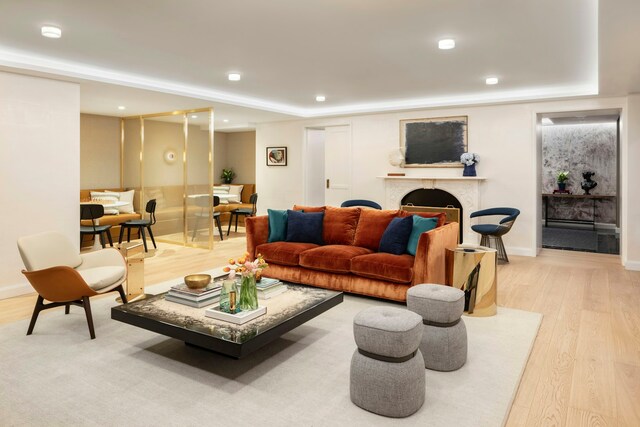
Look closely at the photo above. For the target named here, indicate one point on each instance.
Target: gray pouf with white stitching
(387, 370)
(444, 341)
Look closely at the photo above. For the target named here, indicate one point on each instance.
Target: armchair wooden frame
(74, 292)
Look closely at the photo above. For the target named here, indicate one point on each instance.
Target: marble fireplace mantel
(466, 189)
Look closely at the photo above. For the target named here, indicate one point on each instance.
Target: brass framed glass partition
(169, 157)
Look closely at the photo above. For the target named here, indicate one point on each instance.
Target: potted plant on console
(563, 177)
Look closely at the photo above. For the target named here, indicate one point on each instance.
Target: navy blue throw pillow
(396, 236)
(305, 227)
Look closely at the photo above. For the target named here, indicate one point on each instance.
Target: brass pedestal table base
(133, 253)
(472, 268)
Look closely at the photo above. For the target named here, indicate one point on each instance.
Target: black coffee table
(284, 312)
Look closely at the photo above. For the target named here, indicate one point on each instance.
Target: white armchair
(60, 275)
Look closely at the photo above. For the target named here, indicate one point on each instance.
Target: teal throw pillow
(277, 225)
(420, 225)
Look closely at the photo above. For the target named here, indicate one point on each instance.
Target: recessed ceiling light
(321, 98)
(51, 31)
(226, 120)
(122, 107)
(234, 77)
(492, 80)
(193, 116)
(446, 44)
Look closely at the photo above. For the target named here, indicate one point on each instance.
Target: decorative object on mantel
(395, 174)
(469, 161)
(227, 176)
(247, 269)
(588, 184)
(563, 177)
(434, 142)
(396, 157)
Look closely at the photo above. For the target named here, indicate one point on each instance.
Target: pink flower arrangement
(244, 266)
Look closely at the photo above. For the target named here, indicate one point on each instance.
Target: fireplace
(465, 190)
(436, 198)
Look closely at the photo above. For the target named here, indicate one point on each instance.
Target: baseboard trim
(520, 251)
(18, 289)
(632, 265)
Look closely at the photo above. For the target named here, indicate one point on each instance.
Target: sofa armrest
(257, 232)
(429, 263)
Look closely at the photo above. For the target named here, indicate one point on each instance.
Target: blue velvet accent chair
(494, 232)
(360, 203)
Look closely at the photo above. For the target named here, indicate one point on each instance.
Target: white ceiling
(364, 55)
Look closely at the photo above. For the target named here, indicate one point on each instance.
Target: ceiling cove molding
(21, 60)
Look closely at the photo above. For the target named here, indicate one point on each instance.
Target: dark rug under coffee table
(285, 312)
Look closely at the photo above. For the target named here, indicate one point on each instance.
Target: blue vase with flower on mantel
(469, 170)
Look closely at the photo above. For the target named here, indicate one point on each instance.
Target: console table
(546, 197)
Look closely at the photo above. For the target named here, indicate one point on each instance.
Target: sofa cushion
(442, 217)
(396, 236)
(235, 190)
(371, 227)
(277, 225)
(283, 253)
(309, 208)
(339, 225)
(101, 277)
(124, 196)
(304, 227)
(331, 258)
(102, 197)
(420, 225)
(383, 266)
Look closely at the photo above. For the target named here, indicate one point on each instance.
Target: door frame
(621, 165)
(305, 151)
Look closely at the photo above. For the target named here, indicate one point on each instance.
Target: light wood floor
(585, 365)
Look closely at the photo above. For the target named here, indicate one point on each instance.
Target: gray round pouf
(387, 370)
(444, 342)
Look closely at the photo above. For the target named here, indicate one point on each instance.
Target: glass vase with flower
(248, 270)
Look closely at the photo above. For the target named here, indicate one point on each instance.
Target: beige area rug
(129, 376)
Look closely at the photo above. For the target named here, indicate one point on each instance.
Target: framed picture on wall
(434, 142)
(276, 156)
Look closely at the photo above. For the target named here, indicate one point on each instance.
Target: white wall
(99, 152)
(40, 173)
(631, 203)
(241, 156)
(219, 155)
(505, 136)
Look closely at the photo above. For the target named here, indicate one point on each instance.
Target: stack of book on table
(182, 294)
(269, 288)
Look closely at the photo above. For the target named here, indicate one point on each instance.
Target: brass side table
(472, 268)
(133, 253)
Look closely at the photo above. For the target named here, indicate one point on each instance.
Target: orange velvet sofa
(349, 260)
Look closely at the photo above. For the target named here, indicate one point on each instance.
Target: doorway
(328, 165)
(579, 181)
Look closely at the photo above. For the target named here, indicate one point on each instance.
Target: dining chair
(141, 224)
(62, 276)
(494, 232)
(253, 199)
(203, 202)
(94, 212)
(360, 203)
